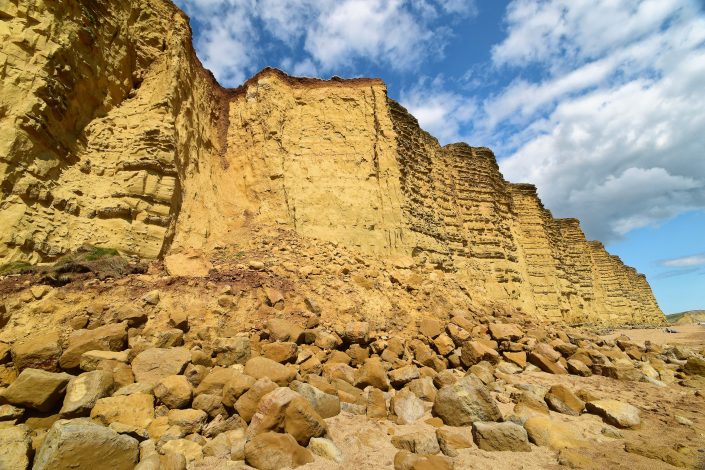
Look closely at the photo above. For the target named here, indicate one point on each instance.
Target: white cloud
(323, 35)
(613, 135)
(444, 114)
(685, 261)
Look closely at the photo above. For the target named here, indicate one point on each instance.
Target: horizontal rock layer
(115, 135)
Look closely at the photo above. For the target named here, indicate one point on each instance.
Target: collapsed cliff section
(115, 135)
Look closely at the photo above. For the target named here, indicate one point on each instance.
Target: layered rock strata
(115, 135)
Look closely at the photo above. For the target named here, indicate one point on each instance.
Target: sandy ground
(686, 334)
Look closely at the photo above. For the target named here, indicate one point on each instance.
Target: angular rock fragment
(464, 402)
(500, 437)
(84, 391)
(154, 364)
(616, 413)
(71, 445)
(37, 389)
(273, 451)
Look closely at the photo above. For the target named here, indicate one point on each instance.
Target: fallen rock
(695, 365)
(407, 407)
(473, 352)
(372, 373)
(273, 451)
(500, 437)
(464, 402)
(246, 405)
(16, 445)
(376, 404)
(325, 448)
(325, 404)
(356, 332)
(561, 399)
(38, 389)
(505, 331)
(281, 352)
(191, 451)
(420, 442)
(133, 410)
(92, 360)
(450, 441)
(616, 413)
(189, 420)
(37, 352)
(112, 337)
(84, 391)
(174, 391)
(214, 383)
(546, 432)
(233, 350)
(403, 375)
(71, 445)
(546, 364)
(283, 330)
(235, 387)
(260, 367)
(154, 364)
(405, 460)
(285, 410)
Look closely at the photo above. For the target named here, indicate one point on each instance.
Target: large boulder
(84, 391)
(154, 364)
(505, 331)
(473, 352)
(695, 366)
(464, 402)
(16, 448)
(285, 410)
(133, 410)
(37, 352)
(214, 383)
(260, 367)
(372, 373)
(407, 407)
(38, 389)
(325, 404)
(615, 412)
(80, 444)
(246, 405)
(562, 399)
(546, 432)
(272, 451)
(506, 436)
(174, 391)
(111, 337)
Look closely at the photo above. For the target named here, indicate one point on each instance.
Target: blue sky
(600, 103)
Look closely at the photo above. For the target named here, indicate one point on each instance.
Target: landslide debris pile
(115, 135)
(279, 396)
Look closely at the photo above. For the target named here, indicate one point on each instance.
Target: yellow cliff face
(113, 134)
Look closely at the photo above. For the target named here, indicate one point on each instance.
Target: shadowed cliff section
(115, 135)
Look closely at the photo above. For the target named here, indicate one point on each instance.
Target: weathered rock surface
(37, 389)
(465, 402)
(72, 444)
(83, 392)
(272, 451)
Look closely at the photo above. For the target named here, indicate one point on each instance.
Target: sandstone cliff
(114, 134)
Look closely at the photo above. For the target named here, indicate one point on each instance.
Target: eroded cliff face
(113, 134)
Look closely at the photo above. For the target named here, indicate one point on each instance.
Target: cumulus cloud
(613, 133)
(442, 113)
(234, 37)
